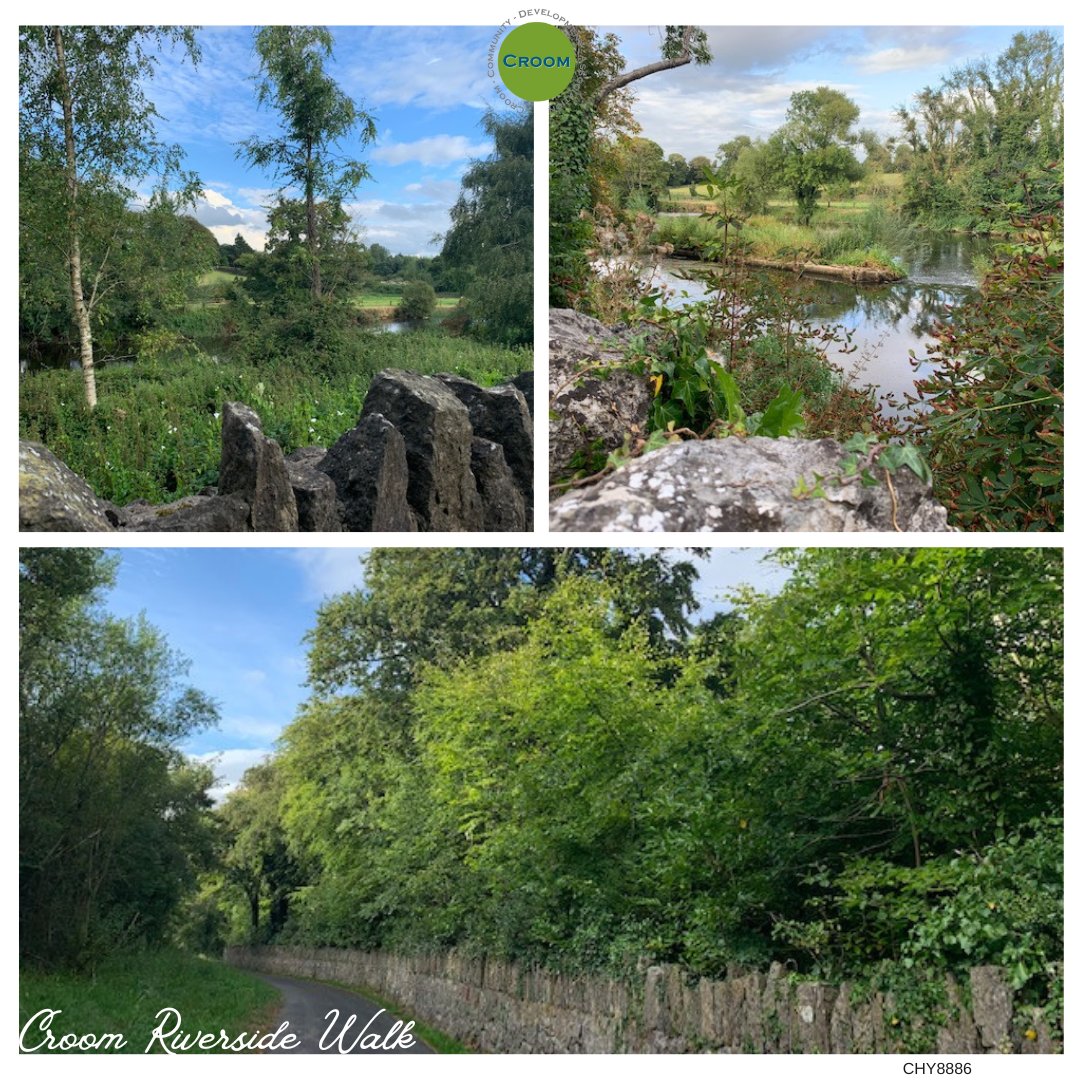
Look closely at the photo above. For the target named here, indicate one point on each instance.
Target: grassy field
(377, 300)
(156, 433)
(219, 277)
(126, 992)
(885, 186)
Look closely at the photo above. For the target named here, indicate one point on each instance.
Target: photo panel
(272, 279)
(808, 279)
(542, 800)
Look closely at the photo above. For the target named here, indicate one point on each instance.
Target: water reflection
(890, 326)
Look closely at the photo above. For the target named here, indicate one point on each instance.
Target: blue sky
(427, 88)
(755, 70)
(239, 615)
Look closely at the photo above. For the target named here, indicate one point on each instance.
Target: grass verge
(125, 993)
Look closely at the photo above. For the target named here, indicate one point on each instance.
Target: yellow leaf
(658, 381)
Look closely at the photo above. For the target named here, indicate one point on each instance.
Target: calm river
(885, 321)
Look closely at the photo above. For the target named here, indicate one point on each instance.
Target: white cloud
(433, 68)
(215, 198)
(903, 59)
(258, 729)
(443, 191)
(225, 219)
(229, 767)
(432, 150)
(408, 228)
(330, 571)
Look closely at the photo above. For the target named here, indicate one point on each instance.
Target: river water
(885, 322)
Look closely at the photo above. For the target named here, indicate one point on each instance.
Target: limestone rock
(589, 412)
(193, 513)
(504, 508)
(316, 497)
(53, 499)
(992, 1006)
(368, 467)
(502, 415)
(745, 485)
(438, 447)
(959, 1035)
(524, 381)
(310, 456)
(253, 469)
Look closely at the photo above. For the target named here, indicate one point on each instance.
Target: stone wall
(507, 1008)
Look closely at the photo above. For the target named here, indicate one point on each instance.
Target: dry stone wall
(508, 1008)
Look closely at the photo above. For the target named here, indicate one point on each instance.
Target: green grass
(839, 238)
(156, 433)
(126, 992)
(218, 277)
(378, 300)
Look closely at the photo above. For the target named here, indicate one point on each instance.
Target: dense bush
(552, 766)
(995, 430)
(417, 301)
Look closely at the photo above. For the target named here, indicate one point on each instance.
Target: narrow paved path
(306, 1004)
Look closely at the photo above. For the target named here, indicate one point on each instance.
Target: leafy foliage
(316, 116)
(813, 148)
(488, 250)
(86, 138)
(995, 430)
(417, 301)
(112, 817)
(551, 765)
(987, 126)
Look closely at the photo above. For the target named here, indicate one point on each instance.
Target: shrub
(417, 301)
(994, 429)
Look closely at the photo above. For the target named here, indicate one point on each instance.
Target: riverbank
(864, 249)
(862, 275)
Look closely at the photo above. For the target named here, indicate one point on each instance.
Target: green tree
(112, 817)
(814, 145)
(231, 252)
(545, 761)
(755, 171)
(84, 117)
(316, 117)
(488, 249)
(417, 301)
(697, 167)
(677, 171)
(258, 861)
(728, 153)
(638, 173)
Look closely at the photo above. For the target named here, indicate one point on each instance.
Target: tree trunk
(78, 302)
(312, 231)
(253, 907)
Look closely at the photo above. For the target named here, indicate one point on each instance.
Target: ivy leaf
(893, 457)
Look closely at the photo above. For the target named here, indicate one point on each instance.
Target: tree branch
(628, 77)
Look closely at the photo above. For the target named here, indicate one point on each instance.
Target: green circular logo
(536, 61)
